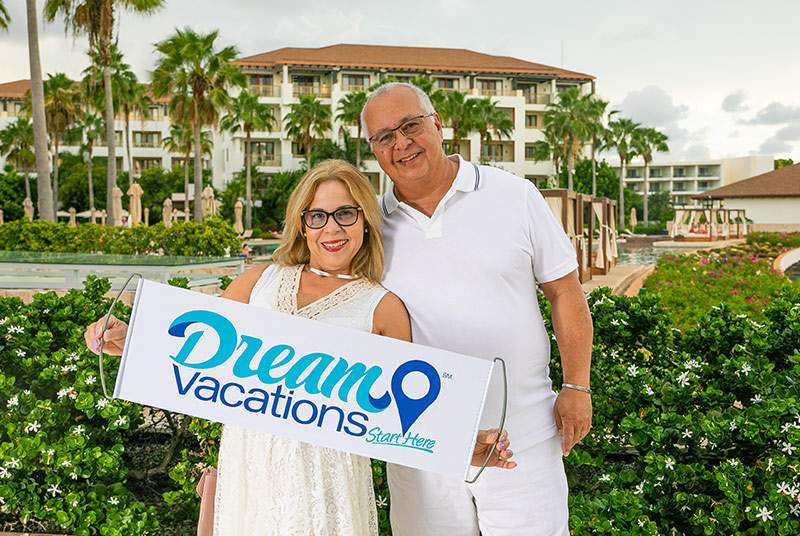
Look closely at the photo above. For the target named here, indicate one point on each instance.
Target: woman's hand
(483, 444)
(114, 336)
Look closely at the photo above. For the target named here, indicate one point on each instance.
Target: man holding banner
(466, 246)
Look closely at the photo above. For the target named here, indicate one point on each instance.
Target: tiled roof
(784, 182)
(457, 60)
(14, 90)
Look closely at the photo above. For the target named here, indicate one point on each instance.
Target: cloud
(774, 146)
(789, 133)
(652, 106)
(734, 102)
(775, 113)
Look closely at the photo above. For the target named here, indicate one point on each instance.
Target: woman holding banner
(328, 268)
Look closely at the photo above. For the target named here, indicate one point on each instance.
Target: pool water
(793, 272)
(644, 254)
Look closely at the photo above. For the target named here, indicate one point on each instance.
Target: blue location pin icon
(409, 408)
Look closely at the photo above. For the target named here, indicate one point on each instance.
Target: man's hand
(573, 412)
(114, 336)
(501, 454)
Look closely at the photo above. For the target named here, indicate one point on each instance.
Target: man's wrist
(577, 387)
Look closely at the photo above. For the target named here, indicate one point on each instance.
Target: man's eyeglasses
(409, 128)
(317, 219)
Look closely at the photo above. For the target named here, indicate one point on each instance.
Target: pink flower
(735, 292)
(753, 259)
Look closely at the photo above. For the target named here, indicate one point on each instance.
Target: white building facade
(523, 89)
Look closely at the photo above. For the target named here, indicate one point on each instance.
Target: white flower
(746, 368)
(734, 462)
(13, 401)
(703, 442)
(103, 402)
(90, 380)
(641, 522)
(783, 488)
(633, 371)
(785, 427)
(639, 489)
(795, 509)
(788, 448)
(3, 320)
(73, 475)
(648, 390)
(78, 430)
(756, 324)
(738, 405)
(16, 329)
(63, 392)
(614, 322)
(686, 433)
(691, 364)
(605, 477)
(756, 399)
(21, 353)
(683, 379)
(66, 463)
(3, 472)
(13, 463)
(113, 500)
(741, 316)
(669, 463)
(33, 427)
(121, 421)
(50, 452)
(764, 514)
(769, 464)
(732, 426)
(381, 502)
(53, 489)
(26, 391)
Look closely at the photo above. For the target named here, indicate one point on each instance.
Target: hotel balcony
(541, 98)
(267, 160)
(265, 91)
(320, 90)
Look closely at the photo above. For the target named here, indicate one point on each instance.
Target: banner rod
(105, 327)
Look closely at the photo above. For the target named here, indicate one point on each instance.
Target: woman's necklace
(323, 273)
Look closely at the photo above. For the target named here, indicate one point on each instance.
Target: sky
(720, 77)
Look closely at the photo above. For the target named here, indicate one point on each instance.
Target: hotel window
(489, 87)
(263, 152)
(500, 151)
(447, 84)
(656, 173)
(141, 164)
(510, 113)
(355, 82)
(117, 138)
(298, 151)
(632, 174)
(463, 148)
(260, 79)
(679, 172)
(146, 139)
(14, 108)
(532, 120)
(154, 113)
(530, 152)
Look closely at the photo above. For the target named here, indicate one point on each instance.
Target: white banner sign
(335, 387)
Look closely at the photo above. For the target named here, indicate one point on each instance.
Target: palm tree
(595, 110)
(350, 112)
(44, 192)
(4, 17)
(198, 77)
(489, 119)
(97, 19)
(307, 119)
(62, 104)
(89, 128)
(458, 112)
(134, 98)
(646, 141)
(549, 149)
(619, 136)
(249, 115)
(568, 119)
(16, 142)
(180, 141)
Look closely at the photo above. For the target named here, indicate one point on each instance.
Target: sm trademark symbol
(447, 376)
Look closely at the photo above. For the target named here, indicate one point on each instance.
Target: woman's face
(333, 246)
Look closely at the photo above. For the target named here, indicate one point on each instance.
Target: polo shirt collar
(467, 179)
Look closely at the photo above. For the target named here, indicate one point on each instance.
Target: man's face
(410, 159)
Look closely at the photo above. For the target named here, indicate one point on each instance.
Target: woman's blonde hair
(293, 249)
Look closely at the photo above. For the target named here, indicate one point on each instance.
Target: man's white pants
(530, 499)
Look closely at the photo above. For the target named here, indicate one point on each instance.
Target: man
(465, 247)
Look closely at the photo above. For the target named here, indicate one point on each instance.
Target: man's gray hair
(424, 100)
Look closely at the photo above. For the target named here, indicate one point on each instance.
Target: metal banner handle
(499, 428)
(105, 327)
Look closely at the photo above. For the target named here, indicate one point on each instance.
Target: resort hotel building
(521, 88)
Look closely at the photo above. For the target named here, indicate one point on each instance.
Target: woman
(328, 267)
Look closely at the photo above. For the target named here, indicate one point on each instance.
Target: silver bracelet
(581, 388)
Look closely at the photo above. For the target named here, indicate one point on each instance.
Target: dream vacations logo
(279, 366)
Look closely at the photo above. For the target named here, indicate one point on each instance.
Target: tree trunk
(248, 185)
(55, 175)
(89, 172)
(569, 164)
(308, 150)
(456, 148)
(621, 207)
(44, 191)
(128, 146)
(646, 214)
(186, 188)
(111, 173)
(198, 165)
(594, 166)
(28, 185)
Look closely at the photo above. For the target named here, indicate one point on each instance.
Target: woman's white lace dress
(268, 485)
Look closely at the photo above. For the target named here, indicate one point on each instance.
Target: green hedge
(214, 237)
(786, 240)
(695, 431)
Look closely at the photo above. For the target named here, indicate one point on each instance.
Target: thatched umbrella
(237, 217)
(209, 203)
(135, 203)
(166, 212)
(27, 207)
(72, 222)
(633, 217)
(116, 206)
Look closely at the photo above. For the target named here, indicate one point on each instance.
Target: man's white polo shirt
(468, 277)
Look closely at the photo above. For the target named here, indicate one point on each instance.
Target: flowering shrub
(787, 240)
(695, 432)
(740, 276)
(214, 237)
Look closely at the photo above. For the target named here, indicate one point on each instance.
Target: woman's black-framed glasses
(410, 127)
(317, 219)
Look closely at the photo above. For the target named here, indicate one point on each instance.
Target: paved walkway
(620, 278)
